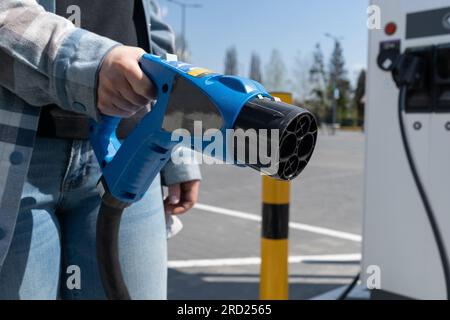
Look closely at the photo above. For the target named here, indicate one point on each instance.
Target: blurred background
(305, 47)
(316, 50)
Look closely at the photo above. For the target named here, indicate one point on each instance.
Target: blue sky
(261, 25)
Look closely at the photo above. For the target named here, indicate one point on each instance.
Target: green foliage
(317, 73)
(313, 86)
(337, 79)
(318, 82)
(336, 69)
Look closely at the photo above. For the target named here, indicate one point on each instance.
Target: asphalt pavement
(216, 254)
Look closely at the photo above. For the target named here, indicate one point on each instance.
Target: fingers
(188, 197)
(114, 104)
(114, 111)
(189, 192)
(174, 194)
(132, 97)
(178, 209)
(123, 88)
(140, 83)
(173, 198)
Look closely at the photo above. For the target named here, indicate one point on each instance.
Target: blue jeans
(54, 236)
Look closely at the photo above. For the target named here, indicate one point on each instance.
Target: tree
(231, 61)
(337, 70)
(255, 68)
(358, 99)
(337, 79)
(182, 49)
(317, 79)
(317, 75)
(275, 72)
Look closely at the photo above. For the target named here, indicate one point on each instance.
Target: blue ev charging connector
(185, 95)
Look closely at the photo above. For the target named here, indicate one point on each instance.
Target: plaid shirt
(45, 59)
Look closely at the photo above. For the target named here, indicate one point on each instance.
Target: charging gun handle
(129, 167)
(104, 139)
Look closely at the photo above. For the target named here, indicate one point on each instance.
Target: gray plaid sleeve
(44, 59)
(187, 170)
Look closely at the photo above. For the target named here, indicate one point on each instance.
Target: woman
(48, 197)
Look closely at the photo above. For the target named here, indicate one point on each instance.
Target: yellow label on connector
(285, 97)
(199, 72)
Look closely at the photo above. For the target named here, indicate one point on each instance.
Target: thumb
(174, 194)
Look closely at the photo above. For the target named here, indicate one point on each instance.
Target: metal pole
(334, 106)
(183, 28)
(274, 284)
(184, 6)
(334, 84)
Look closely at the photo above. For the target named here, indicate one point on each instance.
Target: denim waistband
(72, 162)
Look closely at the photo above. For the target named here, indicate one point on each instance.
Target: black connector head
(408, 70)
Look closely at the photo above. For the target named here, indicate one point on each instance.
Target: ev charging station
(408, 244)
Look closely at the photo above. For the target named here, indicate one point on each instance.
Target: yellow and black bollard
(275, 226)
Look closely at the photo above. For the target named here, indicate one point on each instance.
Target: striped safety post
(274, 283)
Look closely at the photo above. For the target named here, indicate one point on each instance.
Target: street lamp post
(184, 6)
(335, 93)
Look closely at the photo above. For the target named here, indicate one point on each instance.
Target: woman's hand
(181, 197)
(123, 87)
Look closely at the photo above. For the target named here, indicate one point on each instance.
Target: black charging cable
(108, 225)
(407, 73)
(349, 288)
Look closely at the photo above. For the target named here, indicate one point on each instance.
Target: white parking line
(336, 258)
(293, 225)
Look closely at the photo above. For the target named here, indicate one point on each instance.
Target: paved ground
(327, 195)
